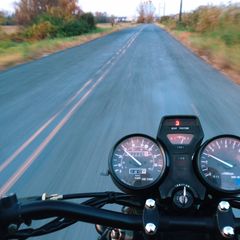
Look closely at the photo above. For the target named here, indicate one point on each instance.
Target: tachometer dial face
(219, 163)
(137, 162)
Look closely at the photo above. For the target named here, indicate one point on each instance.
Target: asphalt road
(61, 115)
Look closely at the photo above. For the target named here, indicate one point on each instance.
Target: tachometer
(137, 162)
(218, 163)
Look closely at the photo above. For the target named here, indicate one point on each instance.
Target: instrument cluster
(141, 164)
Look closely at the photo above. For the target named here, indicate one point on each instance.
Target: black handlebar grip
(9, 210)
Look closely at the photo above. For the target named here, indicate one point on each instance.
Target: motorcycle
(173, 187)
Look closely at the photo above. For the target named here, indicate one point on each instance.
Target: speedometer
(218, 163)
(137, 162)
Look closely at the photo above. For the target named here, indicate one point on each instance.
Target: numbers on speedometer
(137, 162)
(219, 163)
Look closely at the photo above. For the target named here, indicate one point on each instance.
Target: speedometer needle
(132, 157)
(219, 160)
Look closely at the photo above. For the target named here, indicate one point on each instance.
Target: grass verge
(12, 53)
(213, 50)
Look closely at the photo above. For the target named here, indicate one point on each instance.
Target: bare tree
(101, 17)
(112, 20)
(141, 13)
(146, 12)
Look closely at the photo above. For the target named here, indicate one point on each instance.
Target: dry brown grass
(10, 60)
(225, 59)
(10, 29)
(116, 26)
(104, 25)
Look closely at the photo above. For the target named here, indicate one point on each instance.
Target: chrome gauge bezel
(212, 188)
(133, 189)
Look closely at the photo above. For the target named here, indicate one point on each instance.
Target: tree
(66, 9)
(112, 20)
(146, 12)
(141, 13)
(2, 18)
(28, 10)
(6, 18)
(101, 17)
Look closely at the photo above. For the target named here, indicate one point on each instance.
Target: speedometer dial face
(219, 163)
(137, 162)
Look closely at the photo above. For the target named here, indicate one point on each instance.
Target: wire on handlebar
(91, 195)
(97, 200)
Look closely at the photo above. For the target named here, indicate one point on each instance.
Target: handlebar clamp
(151, 219)
(225, 220)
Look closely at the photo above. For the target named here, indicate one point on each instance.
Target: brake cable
(61, 223)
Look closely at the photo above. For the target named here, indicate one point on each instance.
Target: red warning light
(177, 123)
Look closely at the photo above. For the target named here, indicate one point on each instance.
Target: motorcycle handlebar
(47, 209)
(82, 213)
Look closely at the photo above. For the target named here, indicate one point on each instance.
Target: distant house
(121, 19)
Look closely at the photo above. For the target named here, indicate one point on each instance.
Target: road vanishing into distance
(61, 115)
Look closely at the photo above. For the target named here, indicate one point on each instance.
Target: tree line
(51, 18)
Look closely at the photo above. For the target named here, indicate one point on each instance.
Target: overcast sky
(128, 7)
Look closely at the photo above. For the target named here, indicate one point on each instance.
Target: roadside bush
(18, 37)
(169, 21)
(47, 25)
(40, 31)
(56, 21)
(89, 19)
(230, 36)
(73, 28)
(222, 23)
(208, 18)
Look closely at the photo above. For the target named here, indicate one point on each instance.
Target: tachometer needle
(132, 157)
(219, 160)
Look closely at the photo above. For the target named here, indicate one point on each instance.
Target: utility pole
(180, 12)
(164, 8)
(159, 10)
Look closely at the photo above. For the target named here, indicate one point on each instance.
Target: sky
(128, 7)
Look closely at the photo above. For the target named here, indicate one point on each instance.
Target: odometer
(219, 163)
(137, 162)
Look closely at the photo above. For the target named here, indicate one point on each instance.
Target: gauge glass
(137, 162)
(180, 138)
(219, 163)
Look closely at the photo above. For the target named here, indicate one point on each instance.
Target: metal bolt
(150, 203)
(12, 228)
(115, 234)
(223, 206)
(228, 232)
(150, 229)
